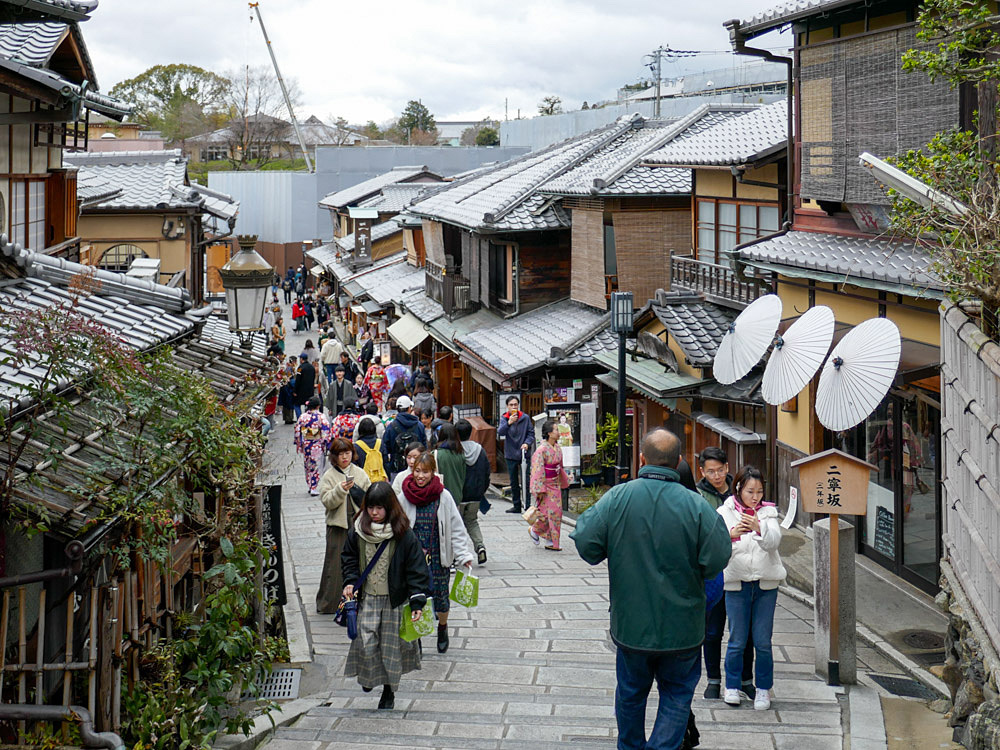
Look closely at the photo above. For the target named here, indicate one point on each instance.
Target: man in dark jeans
(715, 486)
(657, 587)
(518, 432)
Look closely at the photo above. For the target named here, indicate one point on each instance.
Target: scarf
(741, 508)
(380, 531)
(421, 496)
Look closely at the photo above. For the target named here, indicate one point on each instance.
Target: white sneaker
(762, 701)
(732, 697)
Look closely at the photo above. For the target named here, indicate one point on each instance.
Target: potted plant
(592, 470)
(607, 446)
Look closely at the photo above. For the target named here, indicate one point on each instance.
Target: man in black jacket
(477, 481)
(305, 384)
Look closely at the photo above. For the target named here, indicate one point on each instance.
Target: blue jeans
(676, 674)
(715, 626)
(298, 410)
(329, 372)
(514, 469)
(751, 615)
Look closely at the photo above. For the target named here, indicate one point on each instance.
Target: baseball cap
(303, 355)
(404, 402)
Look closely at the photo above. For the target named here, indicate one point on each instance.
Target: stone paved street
(532, 666)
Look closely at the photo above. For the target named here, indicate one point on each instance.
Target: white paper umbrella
(748, 338)
(858, 374)
(797, 355)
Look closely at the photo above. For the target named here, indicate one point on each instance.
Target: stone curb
(867, 723)
(263, 727)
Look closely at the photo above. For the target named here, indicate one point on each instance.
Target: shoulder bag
(347, 612)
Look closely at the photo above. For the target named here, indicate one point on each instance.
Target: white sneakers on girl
(762, 701)
(534, 537)
(732, 696)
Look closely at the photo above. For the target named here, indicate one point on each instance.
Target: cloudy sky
(463, 59)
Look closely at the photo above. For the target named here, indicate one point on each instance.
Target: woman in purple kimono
(548, 480)
(312, 440)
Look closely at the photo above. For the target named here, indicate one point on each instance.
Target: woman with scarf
(298, 315)
(378, 656)
(548, 480)
(312, 439)
(435, 519)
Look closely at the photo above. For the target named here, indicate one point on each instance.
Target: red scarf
(421, 496)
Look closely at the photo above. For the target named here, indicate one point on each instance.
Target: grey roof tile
(536, 332)
(46, 10)
(899, 266)
(786, 12)
(507, 198)
(422, 306)
(394, 198)
(379, 232)
(602, 341)
(734, 141)
(368, 188)
(389, 283)
(696, 325)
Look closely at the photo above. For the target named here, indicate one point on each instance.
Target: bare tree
(258, 131)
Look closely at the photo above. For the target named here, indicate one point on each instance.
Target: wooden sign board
(834, 482)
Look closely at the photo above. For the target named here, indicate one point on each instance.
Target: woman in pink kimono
(378, 383)
(548, 480)
(312, 440)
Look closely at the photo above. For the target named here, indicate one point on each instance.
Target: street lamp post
(246, 279)
(621, 323)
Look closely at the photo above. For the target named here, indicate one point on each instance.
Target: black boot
(442, 638)
(515, 509)
(388, 700)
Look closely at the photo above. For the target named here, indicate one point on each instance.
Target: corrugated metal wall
(970, 374)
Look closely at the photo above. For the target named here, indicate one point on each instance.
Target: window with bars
(27, 214)
(722, 225)
(119, 257)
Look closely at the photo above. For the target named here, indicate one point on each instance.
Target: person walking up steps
(662, 542)
(752, 579)
(477, 481)
(518, 433)
(312, 439)
(437, 524)
(381, 533)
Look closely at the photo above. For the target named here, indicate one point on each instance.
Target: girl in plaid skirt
(378, 656)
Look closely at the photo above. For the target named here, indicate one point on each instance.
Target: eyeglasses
(714, 472)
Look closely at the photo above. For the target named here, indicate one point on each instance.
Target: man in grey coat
(339, 391)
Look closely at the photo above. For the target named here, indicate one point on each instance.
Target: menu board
(885, 532)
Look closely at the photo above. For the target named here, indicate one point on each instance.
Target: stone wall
(970, 570)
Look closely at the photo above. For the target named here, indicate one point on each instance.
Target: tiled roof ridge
(61, 10)
(618, 128)
(786, 12)
(124, 158)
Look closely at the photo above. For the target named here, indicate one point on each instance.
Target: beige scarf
(380, 531)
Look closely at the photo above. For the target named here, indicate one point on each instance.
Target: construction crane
(284, 91)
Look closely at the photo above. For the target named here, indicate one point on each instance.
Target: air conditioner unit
(462, 297)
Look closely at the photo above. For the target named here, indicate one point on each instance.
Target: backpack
(397, 460)
(374, 467)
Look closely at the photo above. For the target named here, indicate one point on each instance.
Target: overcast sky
(365, 60)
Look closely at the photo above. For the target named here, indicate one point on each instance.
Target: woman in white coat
(752, 579)
(438, 525)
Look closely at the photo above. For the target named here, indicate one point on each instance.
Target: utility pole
(284, 91)
(655, 65)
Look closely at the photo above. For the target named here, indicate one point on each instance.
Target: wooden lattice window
(119, 257)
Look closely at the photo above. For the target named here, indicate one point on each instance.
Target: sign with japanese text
(274, 571)
(833, 482)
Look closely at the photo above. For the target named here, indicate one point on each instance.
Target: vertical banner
(567, 419)
(274, 571)
(588, 428)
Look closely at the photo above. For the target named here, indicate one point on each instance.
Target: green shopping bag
(426, 625)
(465, 589)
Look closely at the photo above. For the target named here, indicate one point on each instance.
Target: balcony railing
(718, 283)
(450, 290)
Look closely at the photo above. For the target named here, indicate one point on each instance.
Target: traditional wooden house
(156, 213)
(852, 97)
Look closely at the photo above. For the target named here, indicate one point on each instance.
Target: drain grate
(903, 686)
(925, 640)
(281, 684)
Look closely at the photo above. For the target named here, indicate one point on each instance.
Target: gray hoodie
(471, 451)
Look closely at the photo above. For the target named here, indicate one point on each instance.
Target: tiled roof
(507, 198)
(326, 256)
(584, 354)
(379, 232)
(92, 189)
(696, 325)
(35, 43)
(789, 11)
(215, 330)
(387, 284)
(422, 306)
(46, 10)
(446, 331)
(69, 90)
(351, 195)
(734, 141)
(536, 333)
(394, 198)
(151, 180)
(893, 266)
(616, 169)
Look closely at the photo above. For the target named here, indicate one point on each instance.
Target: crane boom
(284, 91)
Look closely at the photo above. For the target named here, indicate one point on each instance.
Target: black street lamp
(621, 323)
(246, 279)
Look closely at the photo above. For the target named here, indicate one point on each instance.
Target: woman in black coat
(378, 656)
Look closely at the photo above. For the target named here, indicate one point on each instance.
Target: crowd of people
(403, 484)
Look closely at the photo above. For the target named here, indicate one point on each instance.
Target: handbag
(409, 630)
(531, 514)
(347, 612)
(465, 589)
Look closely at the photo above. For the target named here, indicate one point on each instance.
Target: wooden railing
(452, 291)
(718, 283)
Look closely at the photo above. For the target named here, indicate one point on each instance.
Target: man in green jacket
(661, 542)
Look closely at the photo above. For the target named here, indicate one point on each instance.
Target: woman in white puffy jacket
(752, 579)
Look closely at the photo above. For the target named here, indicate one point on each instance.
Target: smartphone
(349, 480)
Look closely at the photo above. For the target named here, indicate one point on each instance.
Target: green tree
(179, 99)
(372, 130)
(550, 105)
(487, 136)
(964, 245)
(416, 116)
